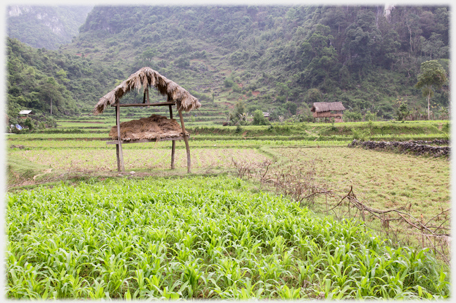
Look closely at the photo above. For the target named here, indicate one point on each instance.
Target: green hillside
(269, 55)
(275, 58)
(35, 76)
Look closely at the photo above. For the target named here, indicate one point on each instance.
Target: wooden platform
(147, 140)
(119, 143)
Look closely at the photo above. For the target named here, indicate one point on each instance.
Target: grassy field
(198, 237)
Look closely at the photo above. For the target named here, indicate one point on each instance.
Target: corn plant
(199, 237)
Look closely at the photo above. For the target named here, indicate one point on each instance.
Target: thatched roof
(326, 106)
(25, 112)
(146, 77)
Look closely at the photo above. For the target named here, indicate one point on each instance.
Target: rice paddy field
(79, 229)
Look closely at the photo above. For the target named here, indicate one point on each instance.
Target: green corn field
(199, 237)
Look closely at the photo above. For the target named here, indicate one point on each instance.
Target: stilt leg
(187, 147)
(173, 146)
(189, 162)
(173, 151)
(121, 166)
(120, 162)
(118, 157)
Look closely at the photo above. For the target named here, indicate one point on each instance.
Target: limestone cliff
(45, 26)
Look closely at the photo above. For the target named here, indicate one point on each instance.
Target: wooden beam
(145, 104)
(120, 161)
(173, 143)
(187, 147)
(146, 140)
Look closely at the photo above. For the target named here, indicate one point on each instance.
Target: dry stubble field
(77, 160)
(382, 179)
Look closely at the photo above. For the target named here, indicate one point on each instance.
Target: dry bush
(399, 225)
(295, 178)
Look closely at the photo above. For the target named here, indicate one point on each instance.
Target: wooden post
(146, 92)
(189, 164)
(119, 153)
(173, 143)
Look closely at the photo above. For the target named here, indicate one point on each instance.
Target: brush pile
(154, 127)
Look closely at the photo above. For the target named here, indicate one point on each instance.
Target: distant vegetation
(277, 59)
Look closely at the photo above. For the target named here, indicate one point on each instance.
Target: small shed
(154, 128)
(328, 110)
(25, 113)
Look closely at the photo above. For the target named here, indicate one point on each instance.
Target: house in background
(328, 110)
(23, 114)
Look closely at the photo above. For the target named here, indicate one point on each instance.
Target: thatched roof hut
(319, 107)
(155, 127)
(26, 112)
(328, 110)
(147, 77)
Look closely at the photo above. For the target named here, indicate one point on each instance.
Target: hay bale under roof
(153, 127)
(146, 77)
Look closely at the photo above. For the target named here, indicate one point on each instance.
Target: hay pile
(153, 127)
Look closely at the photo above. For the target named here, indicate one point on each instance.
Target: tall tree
(362, 43)
(321, 55)
(50, 91)
(432, 76)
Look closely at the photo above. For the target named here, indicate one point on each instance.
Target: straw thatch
(146, 77)
(319, 107)
(154, 127)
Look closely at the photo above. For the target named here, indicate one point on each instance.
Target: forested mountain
(45, 26)
(276, 58)
(39, 78)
